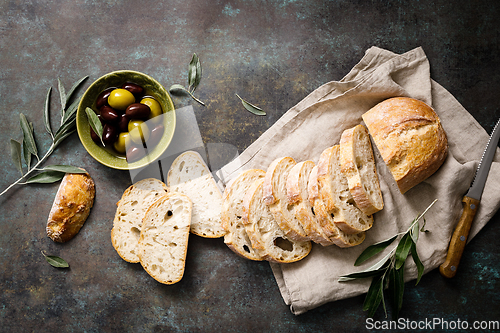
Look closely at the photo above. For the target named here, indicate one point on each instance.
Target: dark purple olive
(138, 111)
(133, 88)
(109, 115)
(109, 134)
(123, 123)
(135, 153)
(102, 99)
(94, 136)
(155, 136)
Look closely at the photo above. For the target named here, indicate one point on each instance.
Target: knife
(470, 203)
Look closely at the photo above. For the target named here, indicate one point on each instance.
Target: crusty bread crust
(410, 138)
(71, 206)
(358, 165)
(236, 237)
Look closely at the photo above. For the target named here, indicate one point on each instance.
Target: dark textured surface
(272, 53)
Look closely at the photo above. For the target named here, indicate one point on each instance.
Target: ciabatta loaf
(358, 165)
(410, 138)
(164, 237)
(236, 237)
(190, 175)
(275, 196)
(298, 200)
(335, 194)
(326, 218)
(130, 211)
(264, 232)
(71, 206)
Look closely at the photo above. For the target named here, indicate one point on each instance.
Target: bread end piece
(410, 138)
(71, 207)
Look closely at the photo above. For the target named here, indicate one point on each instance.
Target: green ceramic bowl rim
(109, 159)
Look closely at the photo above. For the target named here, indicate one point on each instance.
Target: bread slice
(325, 218)
(130, 211)
(274, 192)
(264, 232)
(236, 237)
(298, 199)
(335, 194)
(164, 237)
(190, 175)
(358, 165)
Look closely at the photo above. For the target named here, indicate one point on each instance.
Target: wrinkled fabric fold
(318, 121)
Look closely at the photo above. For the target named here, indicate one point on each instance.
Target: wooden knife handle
(459, 238)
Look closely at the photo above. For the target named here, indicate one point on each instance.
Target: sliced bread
(264, 232)
(130, 211)
(236, 237)
(164, 237)
(298, 200)
(190, 175)
(275, 196)
(358, 165)
(325, 218)
(335, 194)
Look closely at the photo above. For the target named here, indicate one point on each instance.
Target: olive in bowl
(118, 110)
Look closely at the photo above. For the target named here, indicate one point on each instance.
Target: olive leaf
(64, 168)
(418, 263)
(56, 261)
(194, 73)
(46, 177)
(28, 138)
(94, 122)
(374, 249)
(46, 114)
(15, 152)
(252, 108)
(28, 148)
(194, 79)
(390, 270)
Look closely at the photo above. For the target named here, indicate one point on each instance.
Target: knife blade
(470, 203)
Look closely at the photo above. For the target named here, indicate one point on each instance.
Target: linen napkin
(317, 122)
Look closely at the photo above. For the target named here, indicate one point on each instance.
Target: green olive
(139, 131)
(120, 98)
(122, 142)
(153, 105)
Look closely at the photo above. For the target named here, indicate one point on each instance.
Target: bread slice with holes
(298, 200)
(264, 232)
(130, 211)
(358, 165)
(164, 237)
(275, 196)
(335, 194)
(190, 175)
(236, 237)
(325, 218)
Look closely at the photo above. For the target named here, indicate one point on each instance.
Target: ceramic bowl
(153, 88)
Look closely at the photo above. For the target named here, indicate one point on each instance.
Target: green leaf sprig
(194, 79)
(252, 108)
(55, 261)
(389, 271)
(26, 150)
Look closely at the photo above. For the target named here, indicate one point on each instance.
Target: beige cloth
(317, 122)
